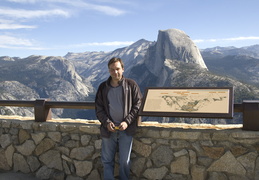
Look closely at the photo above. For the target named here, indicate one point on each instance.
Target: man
(117, 104)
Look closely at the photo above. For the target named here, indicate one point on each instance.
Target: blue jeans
(109, 148)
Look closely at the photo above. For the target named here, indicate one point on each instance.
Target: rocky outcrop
(172, 44)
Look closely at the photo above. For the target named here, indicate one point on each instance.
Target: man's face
(116, 71)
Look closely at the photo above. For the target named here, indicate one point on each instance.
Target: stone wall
(70, 150)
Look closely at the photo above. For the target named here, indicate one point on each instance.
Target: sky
(56, 27)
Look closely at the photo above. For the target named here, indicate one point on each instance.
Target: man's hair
(115, 59)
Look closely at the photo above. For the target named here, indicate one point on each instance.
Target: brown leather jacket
(132, 101)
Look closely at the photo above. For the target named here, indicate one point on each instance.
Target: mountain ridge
(162, 63)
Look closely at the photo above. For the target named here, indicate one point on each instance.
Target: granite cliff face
(172, 44)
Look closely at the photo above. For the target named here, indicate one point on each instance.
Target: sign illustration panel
(188, 102)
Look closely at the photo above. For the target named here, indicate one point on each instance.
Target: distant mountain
(238, 63)
(14, 90)
(41, 77)
(172, 44)
(93, 65)
(175, 61)
(251, 51)
(171, 61)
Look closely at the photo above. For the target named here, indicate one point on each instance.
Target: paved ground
(16, 176)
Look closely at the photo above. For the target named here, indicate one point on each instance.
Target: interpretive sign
(202, 102)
